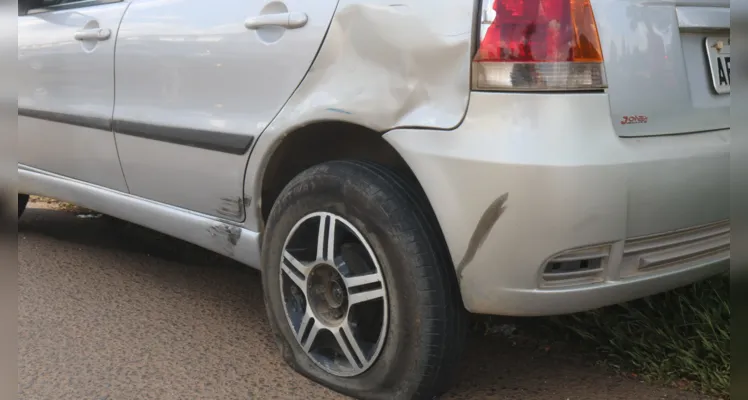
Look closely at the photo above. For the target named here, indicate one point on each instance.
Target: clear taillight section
(538, 45)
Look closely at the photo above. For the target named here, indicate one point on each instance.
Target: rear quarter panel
(383, 65)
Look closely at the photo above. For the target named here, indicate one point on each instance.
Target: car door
(66, 89)
(197, 82)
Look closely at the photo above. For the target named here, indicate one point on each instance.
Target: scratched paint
(227, 235)
(231, 207)
(339, 110)
(485, 224)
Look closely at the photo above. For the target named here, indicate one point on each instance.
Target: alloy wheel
(334, 294)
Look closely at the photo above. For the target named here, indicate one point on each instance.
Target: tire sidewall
(356, 203)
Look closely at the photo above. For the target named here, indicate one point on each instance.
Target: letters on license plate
(718, 54)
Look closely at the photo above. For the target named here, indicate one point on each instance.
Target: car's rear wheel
(359, 289)
(23, 200)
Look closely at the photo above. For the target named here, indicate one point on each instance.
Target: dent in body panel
(385, 66)
(382, 66)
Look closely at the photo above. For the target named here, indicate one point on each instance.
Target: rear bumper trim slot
(703, 19)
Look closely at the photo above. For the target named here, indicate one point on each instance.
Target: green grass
(679, 335)
(682, 336)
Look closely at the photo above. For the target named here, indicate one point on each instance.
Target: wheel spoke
(307, 344)
(295, 270)
(361, 280)
(306, 320)
(326, 238)
(364, 288)
(354, 343)
(367, 295)
(304, 324)
(338, 333)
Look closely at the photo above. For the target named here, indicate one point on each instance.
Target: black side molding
(210, 140)
(104, 124)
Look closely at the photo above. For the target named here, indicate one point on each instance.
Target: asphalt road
(109, 310)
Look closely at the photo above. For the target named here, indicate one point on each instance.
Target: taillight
(538, 45)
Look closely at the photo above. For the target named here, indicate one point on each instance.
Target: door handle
(93, 34)
(286, 20)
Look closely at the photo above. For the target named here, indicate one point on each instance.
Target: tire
(23, 200)
(422, 314)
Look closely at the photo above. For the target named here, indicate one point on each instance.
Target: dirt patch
(54, 204)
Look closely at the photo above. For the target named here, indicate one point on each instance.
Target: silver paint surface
(193, 64)
(366, 73)
(59, 74)
(654, 61)
(576, 175)
(220, 236)
(572, 181)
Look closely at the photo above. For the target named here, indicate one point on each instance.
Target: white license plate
(718, 53)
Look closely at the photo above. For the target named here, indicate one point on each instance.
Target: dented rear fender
(383, 66)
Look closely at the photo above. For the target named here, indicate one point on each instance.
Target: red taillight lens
(538, 45)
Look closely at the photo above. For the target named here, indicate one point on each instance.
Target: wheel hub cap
(327, 294)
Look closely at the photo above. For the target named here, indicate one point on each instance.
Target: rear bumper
(573, 188)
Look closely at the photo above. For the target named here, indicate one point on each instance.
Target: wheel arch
(324, 141)
(319, 142)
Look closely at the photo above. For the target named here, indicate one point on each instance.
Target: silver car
(389, 166)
